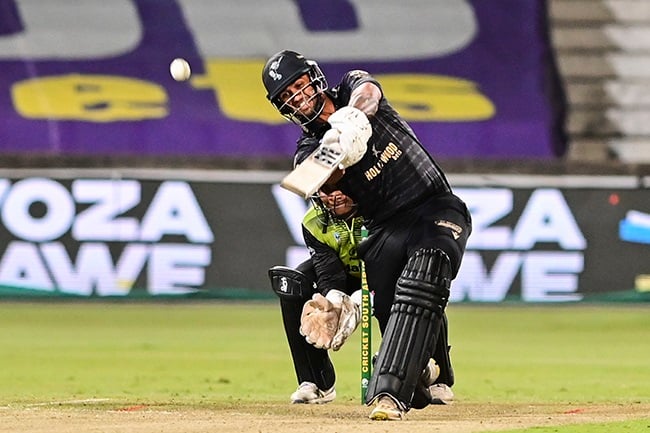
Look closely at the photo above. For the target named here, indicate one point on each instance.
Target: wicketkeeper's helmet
(326, 214)
(284, 68)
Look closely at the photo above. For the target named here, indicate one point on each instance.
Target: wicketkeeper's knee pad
(290, 284)
(421, 295)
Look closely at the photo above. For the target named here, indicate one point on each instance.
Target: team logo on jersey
(456, 230)
(273, 69)
(375, 152)
(390, 153)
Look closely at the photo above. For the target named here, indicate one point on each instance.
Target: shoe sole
(322, 400)
(440, 401)
(380, 415)
(319, 401)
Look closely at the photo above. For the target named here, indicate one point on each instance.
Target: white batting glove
(354, 131)
(331, 140)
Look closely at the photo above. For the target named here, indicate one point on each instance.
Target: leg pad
(421, 295)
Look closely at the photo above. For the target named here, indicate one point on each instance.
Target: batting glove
(354, 131)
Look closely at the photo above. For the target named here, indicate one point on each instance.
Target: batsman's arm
(366, 97)
(342, 146)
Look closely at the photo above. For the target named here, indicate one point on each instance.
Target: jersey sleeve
(351, 80)
(305, 146)
(330, 271)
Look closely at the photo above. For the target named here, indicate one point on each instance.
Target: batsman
(418, 228)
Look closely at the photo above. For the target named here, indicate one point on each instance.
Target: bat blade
(313, 172)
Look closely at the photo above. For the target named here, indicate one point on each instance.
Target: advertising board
(214, 234)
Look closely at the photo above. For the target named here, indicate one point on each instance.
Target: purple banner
(475, 81)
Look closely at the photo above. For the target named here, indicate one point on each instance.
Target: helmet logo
(273, 69)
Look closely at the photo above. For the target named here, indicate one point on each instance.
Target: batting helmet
(284, 68)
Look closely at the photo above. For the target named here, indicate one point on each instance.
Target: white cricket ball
(180, 69)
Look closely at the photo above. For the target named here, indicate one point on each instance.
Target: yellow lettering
(420, 97)
(240, 94)
(372, 172)
(238, 89)
(93, 98)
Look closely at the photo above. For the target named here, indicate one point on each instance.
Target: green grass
(552, 353)
(612, 427)
(151, 352)
(207, 354)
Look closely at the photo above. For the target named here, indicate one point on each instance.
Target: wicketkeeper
(418, 228)
(332, 231)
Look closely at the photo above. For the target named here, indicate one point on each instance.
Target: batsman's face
(337, 202)
(300, 96)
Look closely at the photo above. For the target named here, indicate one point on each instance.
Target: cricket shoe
(441, 394)
(308, 393)
(387, 409)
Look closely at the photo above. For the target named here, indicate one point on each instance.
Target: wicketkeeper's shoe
(387, 409)
(441, 394)
(308, 393)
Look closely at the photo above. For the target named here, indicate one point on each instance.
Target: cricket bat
(313, 172)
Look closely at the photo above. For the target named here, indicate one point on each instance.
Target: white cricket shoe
(387, 409)
(308, 393)
(441, 394)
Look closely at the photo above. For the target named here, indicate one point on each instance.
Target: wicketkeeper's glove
(328, 321)
(350, 132)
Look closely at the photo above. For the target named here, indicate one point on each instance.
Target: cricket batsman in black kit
(418, 228)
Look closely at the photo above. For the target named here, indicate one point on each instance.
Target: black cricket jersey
(396, 173)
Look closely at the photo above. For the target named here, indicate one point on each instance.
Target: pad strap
(442, 355)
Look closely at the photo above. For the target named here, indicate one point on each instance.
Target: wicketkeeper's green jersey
(333, 248)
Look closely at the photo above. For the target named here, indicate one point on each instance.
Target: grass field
(146, 367)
